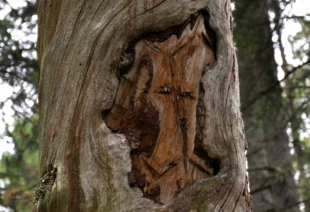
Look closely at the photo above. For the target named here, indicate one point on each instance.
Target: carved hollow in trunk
(159, 107)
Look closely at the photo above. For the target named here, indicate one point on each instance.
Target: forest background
(272, 40)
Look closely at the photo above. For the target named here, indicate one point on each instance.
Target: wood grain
(156, 108)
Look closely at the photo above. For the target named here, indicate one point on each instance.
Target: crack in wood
(159, 107)
(44, 187)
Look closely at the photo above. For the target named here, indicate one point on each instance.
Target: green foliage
(19, 172)
(302, 39)
(18, 61)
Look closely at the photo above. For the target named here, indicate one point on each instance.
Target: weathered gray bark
(270, 165)
(83, 48)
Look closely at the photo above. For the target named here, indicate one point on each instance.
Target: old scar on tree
(159, 107)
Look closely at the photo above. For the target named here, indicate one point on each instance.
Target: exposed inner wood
(159, 108)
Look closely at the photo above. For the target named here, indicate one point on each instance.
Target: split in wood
(44, 187)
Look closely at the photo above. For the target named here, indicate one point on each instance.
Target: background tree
(18, 68)
(265, 111)
(297, 95)
(101, 60)
(18, 63)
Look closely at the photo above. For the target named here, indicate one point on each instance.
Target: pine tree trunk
(139, 107)
(270, 165)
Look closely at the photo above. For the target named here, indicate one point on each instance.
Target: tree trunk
(139, 107)
(270, 165)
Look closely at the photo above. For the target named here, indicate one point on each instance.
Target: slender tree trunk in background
(270, 165)
(139, 107)
(294, 113)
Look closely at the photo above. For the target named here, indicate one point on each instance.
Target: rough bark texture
(270, 165)
(139, 107)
